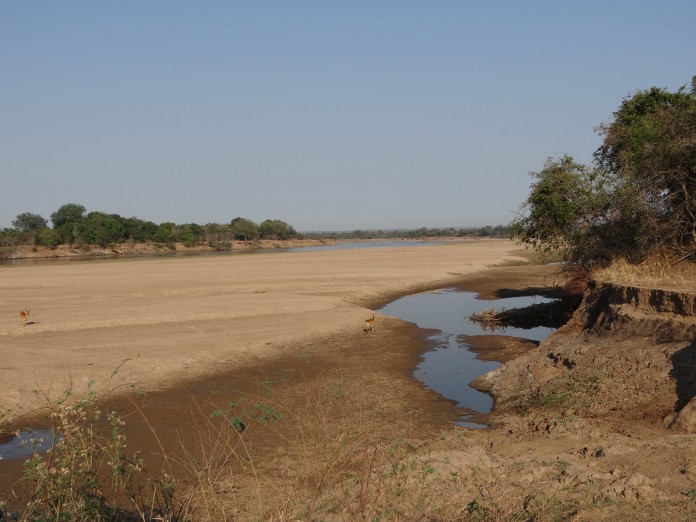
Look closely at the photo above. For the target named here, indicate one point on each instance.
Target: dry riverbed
(336, 427)
(179, 319)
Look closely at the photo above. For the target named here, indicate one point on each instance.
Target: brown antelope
(369, 322)
(24, 315)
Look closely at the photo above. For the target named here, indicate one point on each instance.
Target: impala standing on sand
(369, 322)
(24, 315)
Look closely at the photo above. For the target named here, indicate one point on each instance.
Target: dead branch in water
(487, 318)
(552, 315)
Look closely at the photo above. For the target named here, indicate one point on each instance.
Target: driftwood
(553, 315)
(487, 318)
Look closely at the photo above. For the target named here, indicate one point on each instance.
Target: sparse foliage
(67, 483)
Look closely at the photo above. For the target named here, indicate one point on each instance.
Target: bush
(276, 229)
(67, 483)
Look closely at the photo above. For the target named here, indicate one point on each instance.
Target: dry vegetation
(658, 271)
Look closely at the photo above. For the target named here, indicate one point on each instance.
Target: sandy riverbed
(177, 319)
(357, 437)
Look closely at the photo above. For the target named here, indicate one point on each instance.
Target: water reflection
(451, 366)
(26, 443)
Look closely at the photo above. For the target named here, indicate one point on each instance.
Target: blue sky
(328, 115)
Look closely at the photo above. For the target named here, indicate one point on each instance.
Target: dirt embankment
(622, 333)
(128, 249)
(611, 396)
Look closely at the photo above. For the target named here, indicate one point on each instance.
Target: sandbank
(182, 318)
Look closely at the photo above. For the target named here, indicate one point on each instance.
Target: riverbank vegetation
(638, 199)
(72, 225)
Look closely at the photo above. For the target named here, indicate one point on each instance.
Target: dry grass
(528, 256)
(266, 458)
(658, 271)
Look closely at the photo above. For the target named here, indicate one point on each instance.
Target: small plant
(266, 413)
(538, 399)
(86, 474)
(475, 507)
(69, 481)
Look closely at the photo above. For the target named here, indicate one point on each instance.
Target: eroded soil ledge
(602, 413)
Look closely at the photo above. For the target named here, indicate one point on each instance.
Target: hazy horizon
(328, 115)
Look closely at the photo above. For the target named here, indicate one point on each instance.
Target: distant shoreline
(128, 249)
(24, 252)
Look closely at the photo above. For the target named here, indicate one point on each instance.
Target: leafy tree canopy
(166, 232)
(102, 229)
(27, 222)
(650, 146)
(244, 229)
(567, 204)
(276, 229)
(68, 213)
(639, 197)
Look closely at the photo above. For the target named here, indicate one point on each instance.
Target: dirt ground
(336, 427)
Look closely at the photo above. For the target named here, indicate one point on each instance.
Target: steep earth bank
(598, 421)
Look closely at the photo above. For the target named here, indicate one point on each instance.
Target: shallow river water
(450, 366)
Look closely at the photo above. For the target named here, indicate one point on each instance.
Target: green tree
(166, 232)
(276, 229)
(218, 235)
(244, 229)
(565, 210)
(27, 222)
(47, 237)
(139, 230)
(66, 222)
(639, 198)
(190, 234)
(102, 229)
(68, 213)
(650, 148)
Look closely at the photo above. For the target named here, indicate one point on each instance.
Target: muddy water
(450, 366)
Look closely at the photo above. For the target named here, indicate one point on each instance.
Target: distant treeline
(71, 225)
(500, 231)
